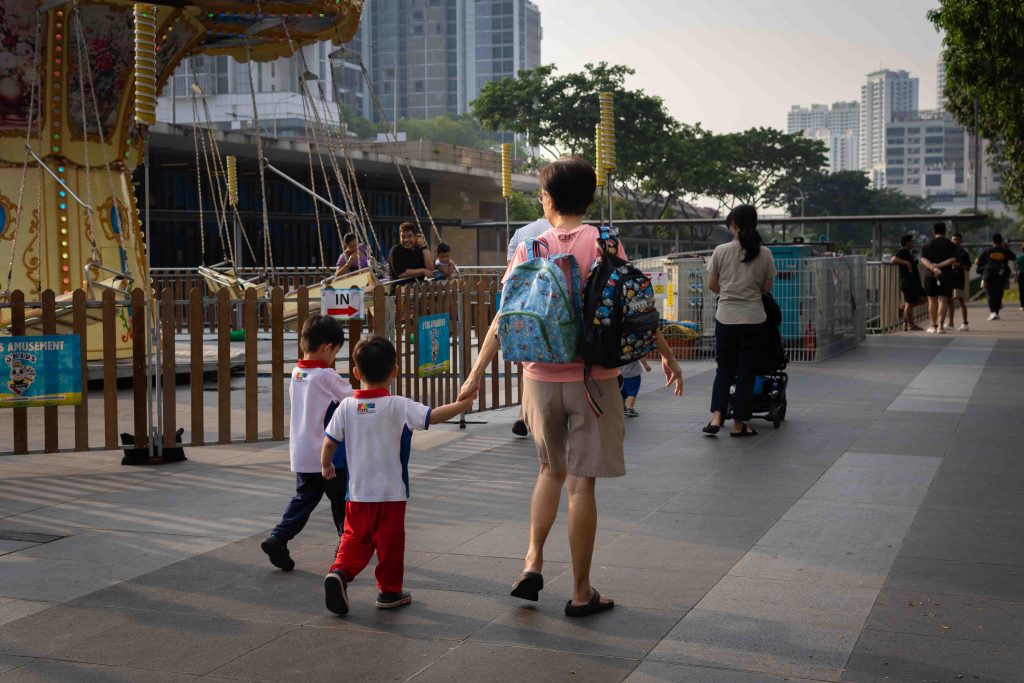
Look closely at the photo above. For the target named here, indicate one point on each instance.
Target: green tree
(983, 52)
(558, 112)
(763, 165)
(362, 128)
(523, 207)
(462, 130)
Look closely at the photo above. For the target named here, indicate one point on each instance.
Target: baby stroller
(769, 399)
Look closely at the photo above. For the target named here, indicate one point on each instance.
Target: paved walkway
(878, 535)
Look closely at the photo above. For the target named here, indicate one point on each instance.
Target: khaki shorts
(568, 435)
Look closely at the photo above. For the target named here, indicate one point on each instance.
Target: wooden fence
(192, 354)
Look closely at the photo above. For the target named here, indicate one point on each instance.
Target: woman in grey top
(738, 272)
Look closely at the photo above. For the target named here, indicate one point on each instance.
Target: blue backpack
(539, 317)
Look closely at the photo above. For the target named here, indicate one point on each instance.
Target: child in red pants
(370, 435)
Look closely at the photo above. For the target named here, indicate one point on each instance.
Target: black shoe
(277, 551)
(393, 600)
(519, 428)
(336, 593)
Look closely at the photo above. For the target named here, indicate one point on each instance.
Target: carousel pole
(506, 182)
(599, 169)
(607, 142)
(145, 116)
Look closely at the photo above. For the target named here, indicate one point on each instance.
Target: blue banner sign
(40, 371)
(433, 345)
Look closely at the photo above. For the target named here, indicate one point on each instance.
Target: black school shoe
(393, 600)
(336, 593)
(519, 428)
(277, 551)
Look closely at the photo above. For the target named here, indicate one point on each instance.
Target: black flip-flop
(746, 431)
(595, 606)
(527, 586)
(710, 429)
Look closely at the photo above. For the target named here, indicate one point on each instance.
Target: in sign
(342, 304)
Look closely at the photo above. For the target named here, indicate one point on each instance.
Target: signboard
(342, 304)
(40, 371)
(659, 280)
(433, 345)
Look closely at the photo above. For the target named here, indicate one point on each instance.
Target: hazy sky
(733, 64)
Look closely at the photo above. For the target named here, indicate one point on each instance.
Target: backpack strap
(608, 239)
(573, 281)
(532, 250)
(592, 403)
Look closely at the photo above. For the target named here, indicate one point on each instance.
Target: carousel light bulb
(64, 243)
(63, 206)
(62, 193)
(60, 169)
(64, 256)
(63, 231)
(63, 219)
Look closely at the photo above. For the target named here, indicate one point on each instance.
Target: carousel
(78, 88)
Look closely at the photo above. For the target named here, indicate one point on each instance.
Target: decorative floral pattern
(17, 71)
(107, 31)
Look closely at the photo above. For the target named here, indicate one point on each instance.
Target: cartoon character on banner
(22, 375)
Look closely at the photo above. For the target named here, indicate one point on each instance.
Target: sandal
(710, 429)
(527, 586)
(593, 607)
(746, 431)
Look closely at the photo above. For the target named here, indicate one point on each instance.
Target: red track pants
(369, 527)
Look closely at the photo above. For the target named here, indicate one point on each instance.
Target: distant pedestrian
(631, 377)
(527, 232)
(910, 282)
(995, 266)
(938, 257)
(315, 390)
(962, 284)
(1020, 277)
(739, 271)
(354, 256)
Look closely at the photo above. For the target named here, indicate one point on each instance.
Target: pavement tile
(823, 524)
(12, 610)
(341, 654)
(948, 616)
(512, 539)
(645, 588)
(9, 662)
(951, 519)
(736, 532)
(14, 546)
(487, 662)
(628, 632)
(863, 567)
(133, 548)
(473, 573)
(665, 554)
(54, 580)
(758, 507)
(998, 582)
(651, 671)
(887, 656)
(48, 632)
(965, 547)
(54, 670)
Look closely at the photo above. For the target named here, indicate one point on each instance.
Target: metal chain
(36, 85)
(312, 186)
(199, 179)
(80, 52)
(268, 258)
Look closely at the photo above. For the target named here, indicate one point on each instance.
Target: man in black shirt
(995, 264)
(910, 282)
(962, 270)
(409, 259)
(938, 257)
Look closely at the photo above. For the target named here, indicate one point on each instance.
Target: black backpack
(772, 356)
(620, 316)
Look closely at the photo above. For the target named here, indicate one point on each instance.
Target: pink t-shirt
(581, 242)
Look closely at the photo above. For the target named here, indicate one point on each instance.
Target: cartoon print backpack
(620, 317)
(539, 317)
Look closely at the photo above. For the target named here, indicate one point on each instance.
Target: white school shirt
(527, 232)
(373, 430)
(315, 391)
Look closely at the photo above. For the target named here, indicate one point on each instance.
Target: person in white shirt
(315, 391)
(369, 437)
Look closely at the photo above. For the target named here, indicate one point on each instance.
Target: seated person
(444, 267)
(353, 257)
(408, 259)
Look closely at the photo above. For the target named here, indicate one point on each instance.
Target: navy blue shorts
(630, 386)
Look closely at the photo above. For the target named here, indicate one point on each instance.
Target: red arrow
(347, 312)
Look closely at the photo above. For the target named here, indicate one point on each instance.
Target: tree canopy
(983, 52)
(660, 161)
(460, 130)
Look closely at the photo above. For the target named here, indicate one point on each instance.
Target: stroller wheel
(776, 417)
(782, 411)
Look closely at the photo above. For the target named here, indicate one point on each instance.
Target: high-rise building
(940, 92)
(837, 126)
(926, 154)
(885, 93)
(424, 58)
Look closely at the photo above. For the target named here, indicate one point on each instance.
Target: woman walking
(739, 272)
(574, 445)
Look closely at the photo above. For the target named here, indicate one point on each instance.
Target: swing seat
(119, 283)
(224, 276)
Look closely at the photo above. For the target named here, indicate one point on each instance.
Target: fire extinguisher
(810, 337)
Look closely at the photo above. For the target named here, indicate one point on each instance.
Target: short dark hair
(375, 357)
(349, 238)
(407, 227)
(571, 183)
(906, 239)
(997, 238)
(319, 330)
(443, 247)
(939, 228)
